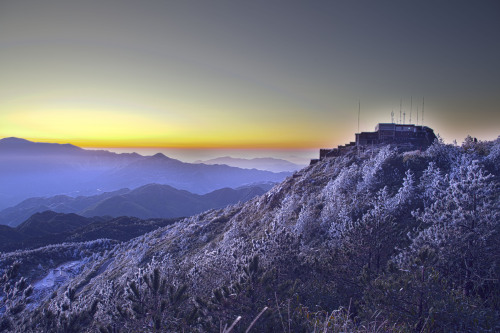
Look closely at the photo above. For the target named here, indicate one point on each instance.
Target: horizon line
(94, 145)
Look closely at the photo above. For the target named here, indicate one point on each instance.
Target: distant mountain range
(149, 201)
(51, 228)
(265, 163)
(31, 169)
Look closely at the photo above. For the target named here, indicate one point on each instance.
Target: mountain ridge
(147, 201)
(31, 169)
(260, 163)
(51, 228)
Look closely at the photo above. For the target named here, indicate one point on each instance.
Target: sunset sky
(244, 74)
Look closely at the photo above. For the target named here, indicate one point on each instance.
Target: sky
(245, 74)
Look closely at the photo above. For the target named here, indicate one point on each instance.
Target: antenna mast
(423, 103)
(411, 106)
(417, 114)
(359, 112)
(400, 107)
(392, 116)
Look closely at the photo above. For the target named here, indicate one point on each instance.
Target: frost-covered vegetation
(380, 240)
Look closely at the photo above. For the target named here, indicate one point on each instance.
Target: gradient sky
(262, 74)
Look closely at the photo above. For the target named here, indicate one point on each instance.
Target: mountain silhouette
(31, 169)
(148, 201)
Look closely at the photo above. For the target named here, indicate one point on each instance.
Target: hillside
(383, 240)
(49, 222)
(148, 201)
(163, 201)
(13, 216)
(47, 228)
(32, 169)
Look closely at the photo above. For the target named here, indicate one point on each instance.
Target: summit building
(419, 137)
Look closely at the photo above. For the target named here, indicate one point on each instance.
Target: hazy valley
(30, 169)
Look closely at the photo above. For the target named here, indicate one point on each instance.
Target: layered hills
(380, 240)
(269, 164)
(32, 169)
(148, 201)
(49, 227)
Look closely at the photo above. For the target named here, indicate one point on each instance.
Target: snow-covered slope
(379, 232)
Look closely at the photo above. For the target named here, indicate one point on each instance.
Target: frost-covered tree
(432, 185)
(342, 201)
(493, 158)
(460, 223)
(373, 169)
(372, 235)
(444, 155)
(406, 197)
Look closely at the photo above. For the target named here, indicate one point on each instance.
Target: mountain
(41, 229)
(50, 227)
(263, 163)
(16, 146)
(195, 178)
(383, 239)
(13, 216)
(9, 235)
(30, 169)
(148, 201)
(48, 222)
(153, 201)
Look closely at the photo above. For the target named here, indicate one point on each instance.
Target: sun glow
(93, 127)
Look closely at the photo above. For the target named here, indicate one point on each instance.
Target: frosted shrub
(308, 224)
(288, 211)
(406, 196)
(373, 168)
(339, 196)
(493, 157)
(461, 222)
(442, 154)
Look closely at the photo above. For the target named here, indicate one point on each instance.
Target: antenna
(411, 106)
(359, 112)
(400, 107)
(392, 116)
(423, 103)
(417, 114)
(404, 117)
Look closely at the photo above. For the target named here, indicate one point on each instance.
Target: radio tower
(359, 112)
(411, 106)
(423, 103)
(400, 107)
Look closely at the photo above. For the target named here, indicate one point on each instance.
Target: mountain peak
(16, 144)
(13, 140)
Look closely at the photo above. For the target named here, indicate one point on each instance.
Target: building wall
(397, 133)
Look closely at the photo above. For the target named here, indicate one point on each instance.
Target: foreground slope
(408, 238)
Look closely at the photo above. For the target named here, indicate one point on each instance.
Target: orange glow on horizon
(103, 128)
(101, 144)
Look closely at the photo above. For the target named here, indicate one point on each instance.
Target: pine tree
(460, 223)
